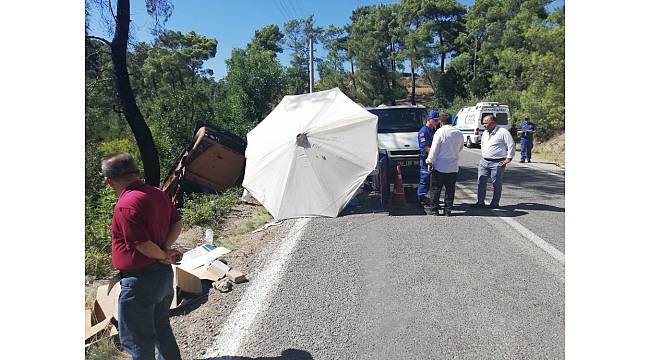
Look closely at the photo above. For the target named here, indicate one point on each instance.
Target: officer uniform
(527, 140)
(425, 137)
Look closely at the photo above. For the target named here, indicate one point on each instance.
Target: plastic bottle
(209, 236)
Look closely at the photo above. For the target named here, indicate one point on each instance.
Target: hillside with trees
(145, 97)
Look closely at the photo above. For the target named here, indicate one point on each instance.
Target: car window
(502, 119)
(484, 115)
(398, 120)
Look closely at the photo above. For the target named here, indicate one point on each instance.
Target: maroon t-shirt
(142, 213)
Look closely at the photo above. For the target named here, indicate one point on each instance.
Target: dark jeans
(438, 180)
(143, 311)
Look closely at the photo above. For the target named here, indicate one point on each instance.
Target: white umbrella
(310, 155)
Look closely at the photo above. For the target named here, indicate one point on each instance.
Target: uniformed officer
(526, 130)
(425, 136)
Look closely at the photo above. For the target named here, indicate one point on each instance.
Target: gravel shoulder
(196, 328)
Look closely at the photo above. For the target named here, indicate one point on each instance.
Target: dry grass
(229, 237)
(91, 292)
(106, 349)
(551, 150)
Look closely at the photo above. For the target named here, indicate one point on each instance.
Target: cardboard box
(201, 255)
(104, 309)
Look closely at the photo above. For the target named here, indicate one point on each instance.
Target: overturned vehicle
(212, 162)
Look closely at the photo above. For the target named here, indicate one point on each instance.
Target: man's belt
(145, 270)
(494, 160)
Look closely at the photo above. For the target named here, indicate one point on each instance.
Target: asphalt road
(411, 286)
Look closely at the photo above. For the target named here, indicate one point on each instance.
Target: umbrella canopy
(310, 155)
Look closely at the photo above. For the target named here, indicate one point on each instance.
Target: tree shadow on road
(288, 354)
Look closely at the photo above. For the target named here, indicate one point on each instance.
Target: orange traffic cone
(399, 200)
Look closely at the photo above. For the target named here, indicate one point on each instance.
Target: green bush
(97, 231)
(98, 263)
(207, 209)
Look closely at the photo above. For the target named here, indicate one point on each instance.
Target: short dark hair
(445, 118)
(490, 117)
(118, 165)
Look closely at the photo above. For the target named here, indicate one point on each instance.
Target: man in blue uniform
(425, 136)
(526, 130)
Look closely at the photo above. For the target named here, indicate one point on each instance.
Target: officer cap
(432, 114)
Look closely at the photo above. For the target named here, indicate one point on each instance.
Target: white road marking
(256, 298)
(529, 235)
(516, 163)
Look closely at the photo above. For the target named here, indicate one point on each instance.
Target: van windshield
(398, 120)
(502, 118)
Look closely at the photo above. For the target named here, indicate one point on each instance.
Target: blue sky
(233, 23)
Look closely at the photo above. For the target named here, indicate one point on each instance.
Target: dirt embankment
(551, 150)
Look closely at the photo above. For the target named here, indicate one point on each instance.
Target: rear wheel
(468, 143)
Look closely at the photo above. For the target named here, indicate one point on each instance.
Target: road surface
(482, 284)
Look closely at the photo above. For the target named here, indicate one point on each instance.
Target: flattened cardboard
(201, 255)
(221, 266)
(209, 272)
(108, 300)
(187, 281)
(96, 321)
(94, 330)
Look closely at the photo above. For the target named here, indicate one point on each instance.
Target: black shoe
(522, 161)
(447, 212)
(493, 206)
(435, 212)
(478, 206)
(528, 160)
(422, 199)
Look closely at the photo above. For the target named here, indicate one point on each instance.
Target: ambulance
(470, 120)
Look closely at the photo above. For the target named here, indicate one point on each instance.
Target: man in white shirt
(442, 160)
(497, 149)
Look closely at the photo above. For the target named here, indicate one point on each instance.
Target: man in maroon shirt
(145, 225)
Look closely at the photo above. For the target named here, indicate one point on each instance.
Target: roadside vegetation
(511, 52)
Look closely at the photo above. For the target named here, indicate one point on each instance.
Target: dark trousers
(143, 311)
(526, 148)
(425, 176)
(438, 180)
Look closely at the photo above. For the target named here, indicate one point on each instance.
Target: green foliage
(97, 231)
(298, 32)
(172, 89)
(268, 38)
(519, 60)
(254, 84)
(207, 209)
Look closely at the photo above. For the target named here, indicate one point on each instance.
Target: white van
(470, 120)
(397, 137)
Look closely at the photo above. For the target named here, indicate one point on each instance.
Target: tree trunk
(428, 76)
(443, 54)
(354, 83)
(148, 151)
(412, 83)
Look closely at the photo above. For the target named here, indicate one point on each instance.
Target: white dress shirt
(497, 144)
(445, 149)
